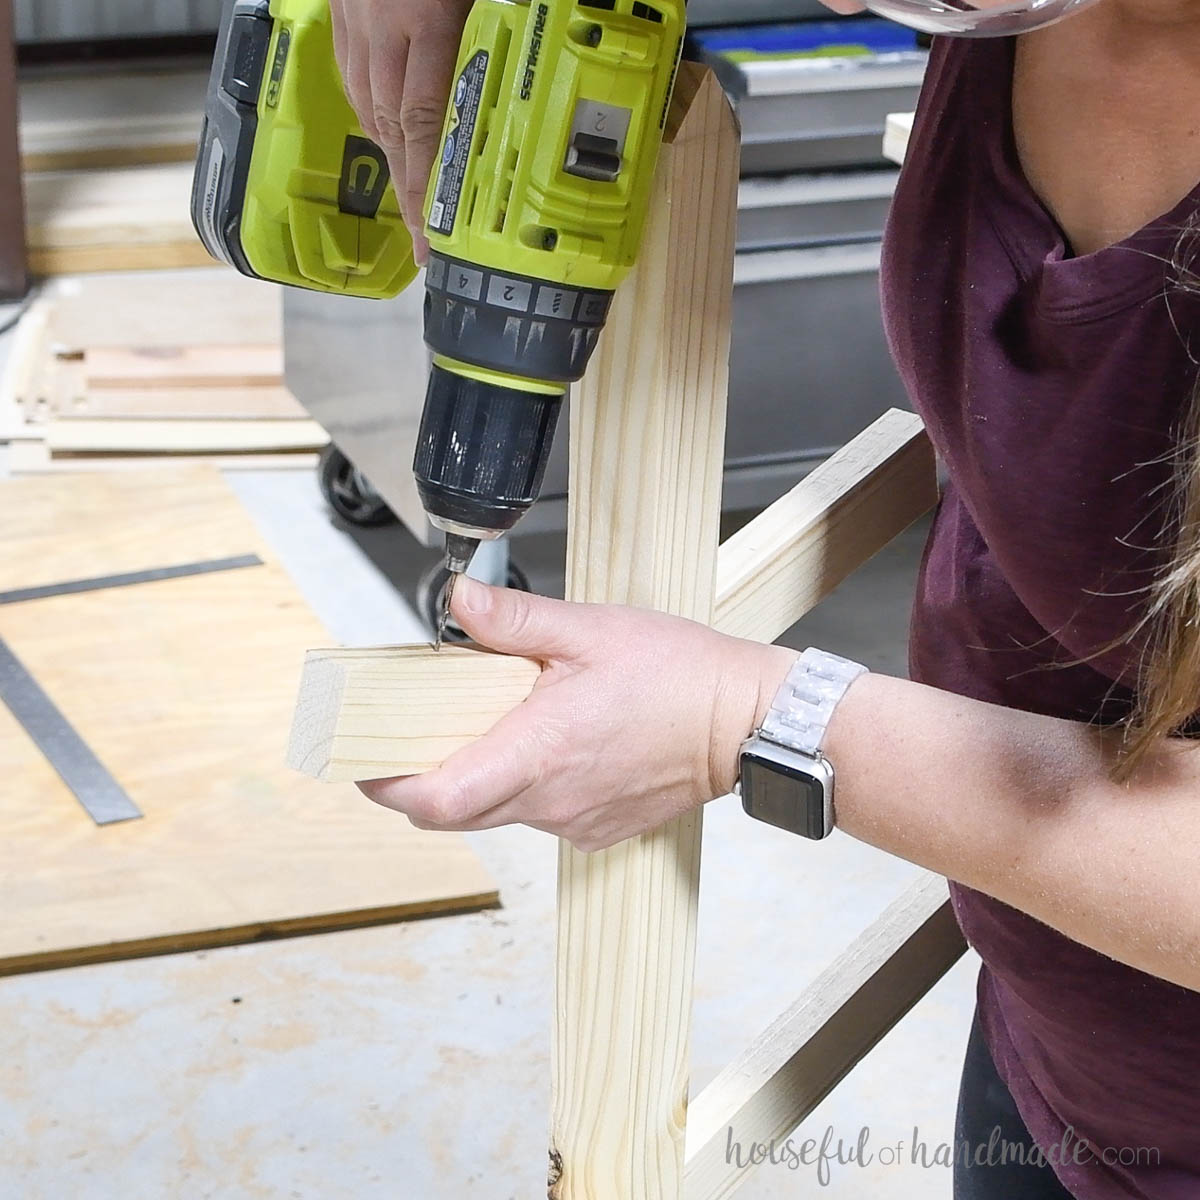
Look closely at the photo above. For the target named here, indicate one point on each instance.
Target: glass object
(982, 18)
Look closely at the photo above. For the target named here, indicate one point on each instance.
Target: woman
(1038, 304)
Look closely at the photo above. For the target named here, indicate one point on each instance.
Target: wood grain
(794, 1064)
(184, 689)
(108, 368)
(129, 205)
(794, 553)
(28, 458)
(647, 439)
(50, 260)
(399, 710)
(55, 529)
(134, 436)
(184, 404)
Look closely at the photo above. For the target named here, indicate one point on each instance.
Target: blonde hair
(1168, 688)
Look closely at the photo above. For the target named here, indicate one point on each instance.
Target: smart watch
(784, 779)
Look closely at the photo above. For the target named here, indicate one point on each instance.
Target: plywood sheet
(184, 689)
(107, 524)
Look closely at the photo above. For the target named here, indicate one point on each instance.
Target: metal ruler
(105, 800)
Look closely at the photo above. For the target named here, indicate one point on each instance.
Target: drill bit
(447, 596)
(460, 549)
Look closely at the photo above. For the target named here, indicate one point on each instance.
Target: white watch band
(803, 706)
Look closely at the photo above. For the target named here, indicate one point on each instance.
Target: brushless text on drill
(535, 50)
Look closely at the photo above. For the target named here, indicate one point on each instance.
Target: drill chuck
(482, 451)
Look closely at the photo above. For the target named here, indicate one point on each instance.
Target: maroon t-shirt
(1052, 387)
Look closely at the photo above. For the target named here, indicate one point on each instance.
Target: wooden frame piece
(133, 435)
(647, 451)
(796, 1062)
(896, 135)
(793, 554)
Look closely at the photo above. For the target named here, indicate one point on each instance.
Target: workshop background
(226, 468)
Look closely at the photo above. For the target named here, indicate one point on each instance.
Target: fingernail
(472, 595)
(420, 249)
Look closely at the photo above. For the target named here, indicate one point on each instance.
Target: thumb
(519, 623)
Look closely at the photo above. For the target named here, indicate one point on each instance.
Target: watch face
(788, 792)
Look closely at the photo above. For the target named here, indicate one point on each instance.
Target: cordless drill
(534, 212)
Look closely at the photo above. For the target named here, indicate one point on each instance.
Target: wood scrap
(173, 404)
(132, 436)
(135, 367)
(20, 383)
(95, 374)
(33, 458)
(896, 135)
(400, 710)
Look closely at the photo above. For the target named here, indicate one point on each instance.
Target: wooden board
(896, 134)
(27, 458)
(794, 553)
(20, 379)
(184, 688)
(766, 1092)
(53, 529)
(111, 368)
(101, 367)
(139, 142)
(133, 436)
(401, 710)
(647, 442)
(108, 346)
(131, 218)
(184, 404)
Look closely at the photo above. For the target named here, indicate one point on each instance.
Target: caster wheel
(431, 588)
(349, 492)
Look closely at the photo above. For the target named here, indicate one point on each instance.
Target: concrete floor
(410, 1062)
